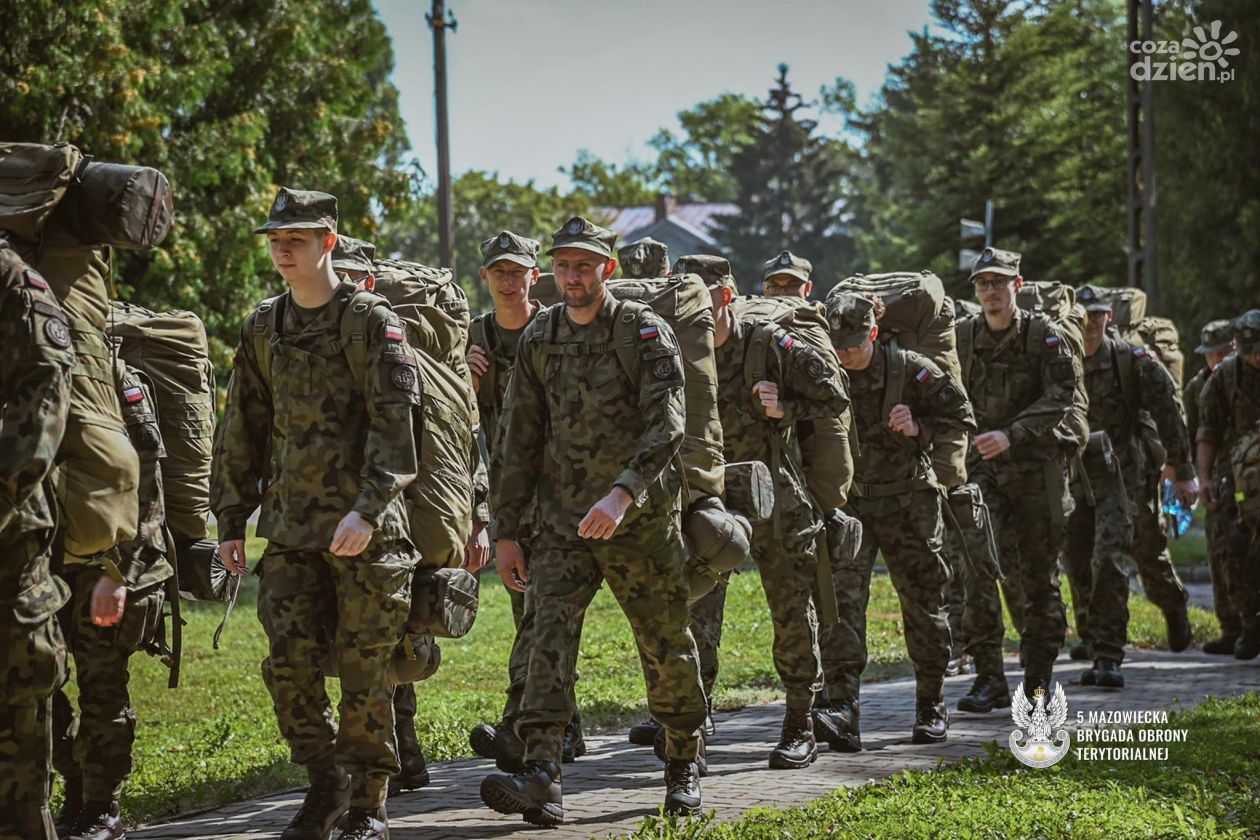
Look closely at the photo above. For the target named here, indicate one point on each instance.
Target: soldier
(1124, 384)
(643, 259)
(337, 451)
(901, 401)
(35, 396)
(509, 269)
(1020, 375)
(786, 275)
(1216, 343)
(1229, 411)
(594, 443)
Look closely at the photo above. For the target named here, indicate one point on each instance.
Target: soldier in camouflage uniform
(595, 443)
(901, 401)
(35, 397)
(1124, 383)
(1020, 375)
(337, 451)
(643, 259)
(1226, 547)
(1229, 407)
(509, 269)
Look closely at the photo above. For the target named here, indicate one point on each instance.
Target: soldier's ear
(533, 274)
(809, 287)
(330, 241)
(610, 268)
(874, 333)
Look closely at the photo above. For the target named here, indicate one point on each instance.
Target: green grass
(215, 739)
(1209, 787)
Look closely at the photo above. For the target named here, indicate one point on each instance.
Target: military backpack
(1157, 334)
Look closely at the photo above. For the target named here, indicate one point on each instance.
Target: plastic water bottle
(1177, 517)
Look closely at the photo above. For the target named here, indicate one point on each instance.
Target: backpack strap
(895, 381)
(268, 329)
(966, 354)
(1127, 376)
(625, 336)
(355, 320)
(481, 333)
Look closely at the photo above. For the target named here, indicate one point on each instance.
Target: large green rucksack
(432, 304)
(919, 316)
(1155, 333)
(1244, 461)
(1059, 303)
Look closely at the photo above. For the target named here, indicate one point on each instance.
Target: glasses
(989, 285)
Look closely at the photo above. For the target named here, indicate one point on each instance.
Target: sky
(530, 82)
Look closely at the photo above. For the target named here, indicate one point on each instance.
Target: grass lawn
(1209, 787)
(215, 739)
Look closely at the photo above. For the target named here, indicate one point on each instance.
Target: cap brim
(999, 270)
(1097, 307)
(790, 272)
(294, 226)
(1204, 349)
(519, 259)
(581, 246)
(851, 340)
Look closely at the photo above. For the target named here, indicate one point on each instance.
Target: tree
(696, 165)
(609, 185)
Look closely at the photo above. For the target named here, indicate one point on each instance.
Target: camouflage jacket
(888, 458)
(322, 439)
(1020, 389)
(1230, 403)
(1192, 400)
(578, 424)
(806, 391)
(1121, 391)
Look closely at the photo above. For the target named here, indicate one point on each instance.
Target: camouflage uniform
(577, 426)
(36, 399)
(643, 259)
(336, 440)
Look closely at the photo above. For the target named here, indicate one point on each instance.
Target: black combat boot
(1106, 674)
(1248, 645)
(840, 725)
(366, 824)
(414, 773)
(534, 793)
(97, 821)
(931, 721)
(644, 734)
(1224, 646)
(500, 743)
(682, 787)
(326, 802)
(72, 798)
(1179, 633)
(797, 747)
(573, 745)
(988, 692)
(702, 755)
(1079, 652)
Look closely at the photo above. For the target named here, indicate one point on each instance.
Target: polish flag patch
(922, 376)
(34, 279)
(786, 341)
(1052, 341)
(1139, 352)
(648, 333)
(393, 332)
(133, 395)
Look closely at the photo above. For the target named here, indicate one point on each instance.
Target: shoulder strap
(895, 382)
(355, 321)
(626, 316)
(966, 357)
(1126, 374)
(268, 328)
(759, 344)
(482, 333)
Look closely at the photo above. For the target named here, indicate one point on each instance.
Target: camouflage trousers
(95, 744)
(1029, 503)
(1155, 569)
(33, 662)
(310, 602)
(644, 571)
(1099, 534)
(1234, 565)
(909, 530)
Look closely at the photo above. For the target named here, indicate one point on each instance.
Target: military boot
(72, 797)
(573, 745)
(534, 793)
(500, 743)
(1224, 646)
(414, 773)
(702, 753)
(1079, 652)
(931, 722)
(326, 802)
(840, 725)
(644, 733)
(1248, 645)
(97, 821)
(1104, 674)
(1179, 633)
(366, 824)
(988, 692)
(682, 787)
(797, 747)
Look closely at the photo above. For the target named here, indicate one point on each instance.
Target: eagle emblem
(1035, 722)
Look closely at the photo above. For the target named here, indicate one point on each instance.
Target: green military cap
(353, 254)
(508, 246)
(714, 271)
(850, 318)
(787, 263)
(644, 258)
(996, 261)
(1093, 299)
(585, 234)
(1247, 332)
(302, 209)
(1216, 337)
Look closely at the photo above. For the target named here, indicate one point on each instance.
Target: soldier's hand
(769, 394)
(1207, 494)
(232, 553)
(991, 444)
(477, 551)
(900, 419)
(352, 536)
(478, 363)
(601, 522)
(109, 599)
(1167, 473)
(1187, 491)
(509, 562)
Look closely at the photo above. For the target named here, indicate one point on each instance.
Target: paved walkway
(616, 784)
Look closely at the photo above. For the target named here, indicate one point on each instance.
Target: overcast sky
(533, 81)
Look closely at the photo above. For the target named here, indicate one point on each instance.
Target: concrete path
(610, 790)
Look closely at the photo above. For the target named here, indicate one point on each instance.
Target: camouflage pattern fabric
(706, 627)
(643, 259)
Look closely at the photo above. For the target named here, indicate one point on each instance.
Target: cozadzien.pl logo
(1201, 56)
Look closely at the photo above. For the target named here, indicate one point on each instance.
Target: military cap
(996, 261)
(644, 258)
(353, 254)
(1093, 299)
(508, 246)
(1216, 337)
(301, 209)
(787, 263)
(585, 234)
(1247, 332)
(714, 271)
(849, 319)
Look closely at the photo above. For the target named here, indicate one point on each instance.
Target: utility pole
(439, 21)
(1141, 171)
